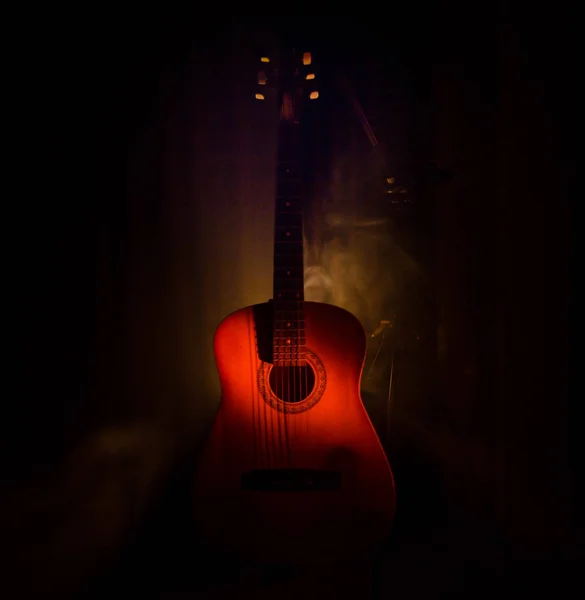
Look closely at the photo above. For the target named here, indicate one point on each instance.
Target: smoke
(351, 258)
(64, 526)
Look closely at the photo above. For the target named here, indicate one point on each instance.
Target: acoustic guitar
(293, 470)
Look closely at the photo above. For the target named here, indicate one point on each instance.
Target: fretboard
(288, 288)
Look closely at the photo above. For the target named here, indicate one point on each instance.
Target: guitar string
(282, 364)
(285, 396)
(290, 365)
(288, 355)
(265, 427)
(278, 333)
(253, 353)
(287, 373)
(301, 370)
(288, 369)
(304, 373)
(293, 370)
(273, 417)
(284, 417)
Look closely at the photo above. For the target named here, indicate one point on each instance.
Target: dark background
(140, 216)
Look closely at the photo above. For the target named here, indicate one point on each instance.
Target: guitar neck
(296, 83)
(288, 282)
(288, 223)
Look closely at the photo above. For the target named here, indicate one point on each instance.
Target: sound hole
(292, 384)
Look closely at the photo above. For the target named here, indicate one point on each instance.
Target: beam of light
(359, 112)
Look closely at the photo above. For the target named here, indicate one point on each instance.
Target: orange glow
(390, 179)
(310, 75)
(265, 59)
(314, 95)
(259, 96)
(307, 58)
(333, 434)
(262, 78)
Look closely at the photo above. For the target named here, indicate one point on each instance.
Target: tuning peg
(259, 96)
(264, 59)
(314, 95)
(262, 78)
(307, 58)
(310, 76)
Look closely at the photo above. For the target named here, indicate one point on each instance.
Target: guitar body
(293, 481)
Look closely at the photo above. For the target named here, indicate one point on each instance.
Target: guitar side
(329, 433)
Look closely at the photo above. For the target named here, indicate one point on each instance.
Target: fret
(288, 285)
(289, 278)
(288, 261)
(287, 306)
(288, 334)
(288, 297)
(280, 352)
(282, 228)
(282, 335)
(295, 334)
(289, 188)
(288, 205)
(288, 170)
(287, 313)
(288, 149)
(286, 220)
(279, 358)
(284, 343)
(291, 220)
(293, 249)
(288, 244)
(295, 323)
(288, 228)
(290, 363)
(283, 250)
(289, 272)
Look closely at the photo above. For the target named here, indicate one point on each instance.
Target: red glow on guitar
(293, 469)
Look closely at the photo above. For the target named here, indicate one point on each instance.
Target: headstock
(292, 77)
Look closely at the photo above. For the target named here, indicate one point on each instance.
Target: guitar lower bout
(293, 468)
